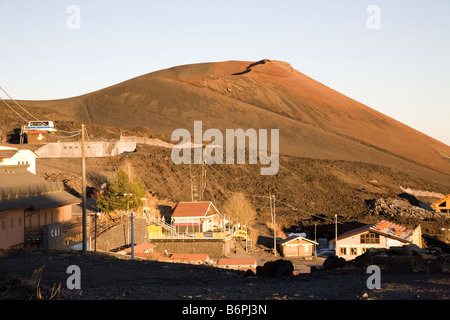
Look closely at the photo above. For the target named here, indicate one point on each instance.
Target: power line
(14, 110)
(19, 104)
(311, 214)
(59, 130)
(35, 118)
(63, 137)
(279, 201)
(170, 179)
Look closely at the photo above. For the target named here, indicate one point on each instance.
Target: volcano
(314, 121)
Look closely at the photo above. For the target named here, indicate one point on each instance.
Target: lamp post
(274, 228)
(132, 227)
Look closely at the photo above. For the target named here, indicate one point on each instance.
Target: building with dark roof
(27, 204)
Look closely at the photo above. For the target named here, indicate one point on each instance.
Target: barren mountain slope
(303, 186)
(314, 120)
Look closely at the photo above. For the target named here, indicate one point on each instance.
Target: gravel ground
(32, 275)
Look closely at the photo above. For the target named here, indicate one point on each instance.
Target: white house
(382, 234)
(13, 154)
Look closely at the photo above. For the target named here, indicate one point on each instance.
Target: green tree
(113, 198)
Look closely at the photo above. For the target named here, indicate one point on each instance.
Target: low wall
(147, 141)
(120, 235)
(92, 149)
(214, 247)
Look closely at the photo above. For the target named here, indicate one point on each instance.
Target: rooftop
(19, 188)
(382, 227)
(190, 256)
(294, 237)
(236, 262)
(8, 153)
(191, 209)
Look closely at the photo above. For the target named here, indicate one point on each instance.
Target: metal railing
(195, 235)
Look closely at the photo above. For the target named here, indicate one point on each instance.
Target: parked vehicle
(325, 253)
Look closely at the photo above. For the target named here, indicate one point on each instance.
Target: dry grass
(41, 293)
(279, 233)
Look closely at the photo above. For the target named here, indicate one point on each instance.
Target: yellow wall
(154, 232)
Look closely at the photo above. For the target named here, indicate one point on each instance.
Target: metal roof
(190, 256)
(19, 188)
(294, 237)
(9, 153)
(191, 209)
(235, 262)
(382, 227)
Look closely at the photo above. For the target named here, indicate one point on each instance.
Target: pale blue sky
(401, 69)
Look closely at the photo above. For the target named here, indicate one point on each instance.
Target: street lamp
(274, 228)
(132, 227)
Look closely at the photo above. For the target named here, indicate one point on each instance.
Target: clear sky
(394, 57)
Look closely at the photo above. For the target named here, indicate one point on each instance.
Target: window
(3, 225)
(20, 221)
(343, 250)
(353, 251)
(12, 223)
(363, 250)
(370, 237)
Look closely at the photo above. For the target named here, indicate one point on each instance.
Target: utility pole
(95, 239)
(315, 237)
(83, 177)
(246, 235)
(335, 231)
(132, 236)
(132, 226)
(271, 211)
(204, 167)
(203, 174)
(190, 178)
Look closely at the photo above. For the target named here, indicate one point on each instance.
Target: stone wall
(93, 149)
(214, 247)
(120, 235)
